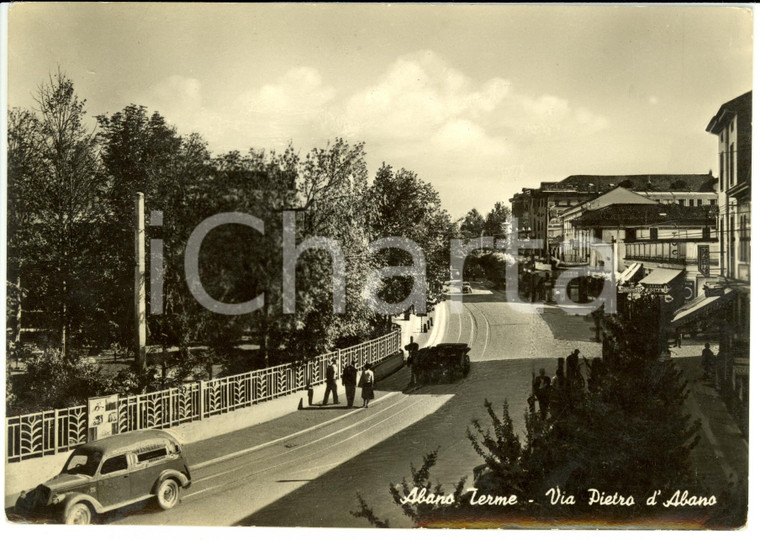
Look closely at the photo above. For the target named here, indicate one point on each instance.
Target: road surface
(311, 478)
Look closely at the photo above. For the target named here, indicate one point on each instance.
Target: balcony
(670, 251)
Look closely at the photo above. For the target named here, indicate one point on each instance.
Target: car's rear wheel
(168, 494)
(78, 514)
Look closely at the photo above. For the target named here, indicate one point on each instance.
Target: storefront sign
(658, 289)
(703, 260)
(102, 417)
(630, 289)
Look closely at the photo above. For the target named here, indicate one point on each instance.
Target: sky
(480, 101)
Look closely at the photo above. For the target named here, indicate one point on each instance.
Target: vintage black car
(103, 475)
(442, 363)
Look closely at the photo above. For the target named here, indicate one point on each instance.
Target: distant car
(466, 287)
(107, 474)
(443, 363)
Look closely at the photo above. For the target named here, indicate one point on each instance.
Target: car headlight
(57, 498)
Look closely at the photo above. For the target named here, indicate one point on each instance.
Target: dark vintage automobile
(103, 475)
(442, 363)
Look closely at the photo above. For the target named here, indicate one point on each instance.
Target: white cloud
(421, 114)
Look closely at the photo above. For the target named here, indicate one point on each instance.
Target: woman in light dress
(367, 382)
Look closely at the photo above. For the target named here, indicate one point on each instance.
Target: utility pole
(140, 282)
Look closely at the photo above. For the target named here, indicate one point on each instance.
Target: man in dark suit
(332, 386)
(411, 360)
(349, 381)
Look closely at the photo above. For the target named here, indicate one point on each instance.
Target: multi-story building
(541, 208)
(664, 242)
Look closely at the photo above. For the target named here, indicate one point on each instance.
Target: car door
(113, 483)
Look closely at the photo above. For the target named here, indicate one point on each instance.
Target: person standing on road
(332, 386)
(349, 381)
(412, 349)
(367, 382)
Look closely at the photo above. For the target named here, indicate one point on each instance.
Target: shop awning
(660, 276)
(628, 273)
(700, 307)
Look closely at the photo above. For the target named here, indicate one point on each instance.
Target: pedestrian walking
(679, 337)
(367, 382)
(348, 378)
(411, 360)
(332, 386)
(708, 361)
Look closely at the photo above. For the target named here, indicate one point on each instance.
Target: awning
(700, 307)
(660, 276)
(628, 273)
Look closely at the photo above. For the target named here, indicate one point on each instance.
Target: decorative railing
(50, 432)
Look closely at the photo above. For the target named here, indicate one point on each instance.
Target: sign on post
(703, 260)
(102, 417)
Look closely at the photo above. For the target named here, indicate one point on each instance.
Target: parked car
(443, 363)
(110, 473)
(466, 287)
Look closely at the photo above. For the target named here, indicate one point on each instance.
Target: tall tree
(63, 197)
(473, 224)
(496, 219)
(24, 161)
(333, 193)
(406, 206)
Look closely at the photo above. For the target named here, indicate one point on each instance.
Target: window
(743, 239)
(681, 201)
(691, 202)
(705, 233)
(83, 461)
(630, 235)
(699, 202)
(722, 168)
(653, 233)
(722, 250)
(712, 202)
(731, 166)
(114, 464)
(151, 455)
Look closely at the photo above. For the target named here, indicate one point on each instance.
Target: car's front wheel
(78, 514)
(168, 494)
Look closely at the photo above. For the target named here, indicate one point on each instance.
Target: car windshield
(83, 461)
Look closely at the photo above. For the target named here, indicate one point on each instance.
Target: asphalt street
(310, 475)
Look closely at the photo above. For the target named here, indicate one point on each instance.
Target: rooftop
(741, 105)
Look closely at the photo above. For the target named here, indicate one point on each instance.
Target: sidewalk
(722, 454)
(413, 327)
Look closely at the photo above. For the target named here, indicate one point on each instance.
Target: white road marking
(227, 457)
(327, 448)
(252, 449)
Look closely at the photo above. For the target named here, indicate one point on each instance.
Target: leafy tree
(24, 161)
(495, 220)
(473, 225)
(140, 153)
(406, 206)
(332, 189)
(53, 380)
(56, 183)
